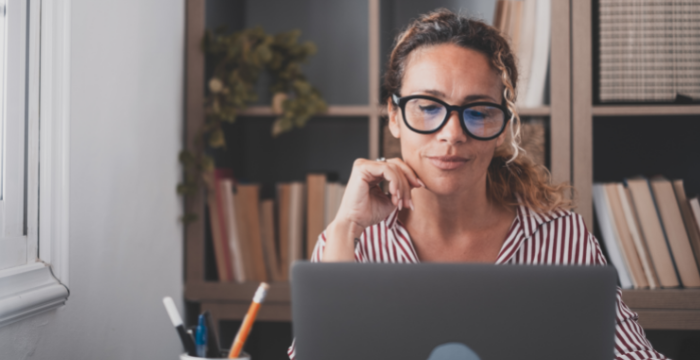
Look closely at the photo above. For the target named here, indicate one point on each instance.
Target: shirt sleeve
(630, 341)
(317, 254)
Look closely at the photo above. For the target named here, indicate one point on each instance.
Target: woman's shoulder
(533, 220)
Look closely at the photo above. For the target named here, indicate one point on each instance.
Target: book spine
(639, 242)
(609, 233)
(241, 271)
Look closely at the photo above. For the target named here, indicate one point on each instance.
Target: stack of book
(651, 232)
(526, 25)
(649, 50)
(258, 239)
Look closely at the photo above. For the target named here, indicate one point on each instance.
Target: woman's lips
(447, 162)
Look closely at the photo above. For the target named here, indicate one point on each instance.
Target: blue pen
(200, 338)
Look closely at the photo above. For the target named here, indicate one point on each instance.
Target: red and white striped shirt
(557, 238)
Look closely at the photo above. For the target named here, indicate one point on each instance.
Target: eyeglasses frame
(401, 103)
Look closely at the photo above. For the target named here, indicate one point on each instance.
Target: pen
(200, 339)
(186, 339)
(213, 350)
(248, 321)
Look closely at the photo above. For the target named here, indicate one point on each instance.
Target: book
(267, 234)
(674, 229)
(610, 236)
(296, 222)
(534, 94)
(283, 221)
(334, 195)
(688, 220)
(242, 270)
(526, 26)
(650, 224)
(515, 20)
(637, 237)
(527, 44)
(247, 199)
(626, 243)
(497, 14)
(695, 209)
(217, 223)
(315, 209)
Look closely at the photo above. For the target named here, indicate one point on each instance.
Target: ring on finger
(381, 159)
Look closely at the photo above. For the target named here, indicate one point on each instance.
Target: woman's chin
(445, 187)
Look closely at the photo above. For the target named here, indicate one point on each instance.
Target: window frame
(41, 284)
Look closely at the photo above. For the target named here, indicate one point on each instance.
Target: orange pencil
(248, 321)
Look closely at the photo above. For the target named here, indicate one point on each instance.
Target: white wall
(125, 242)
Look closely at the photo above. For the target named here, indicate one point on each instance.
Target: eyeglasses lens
(424, 114)
(484, 121)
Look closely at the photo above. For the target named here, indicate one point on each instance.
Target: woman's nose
(452, 132)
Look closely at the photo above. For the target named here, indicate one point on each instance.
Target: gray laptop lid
(452, 311)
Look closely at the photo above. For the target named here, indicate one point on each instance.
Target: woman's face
(448, 161)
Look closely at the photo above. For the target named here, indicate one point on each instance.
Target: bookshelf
(570, 127)
(664, 309)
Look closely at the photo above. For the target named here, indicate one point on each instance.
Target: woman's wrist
(347, 230)
(340, 240)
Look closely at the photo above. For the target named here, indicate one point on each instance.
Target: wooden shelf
(636, 110)
(658, 309)
(667, 309)
(235, 292)
(666, 299)
(538, 111)
(365, 110)
(350, 110)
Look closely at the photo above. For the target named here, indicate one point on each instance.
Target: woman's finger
(411, 176)
(405, 185)
(374, 172)
(412, 180)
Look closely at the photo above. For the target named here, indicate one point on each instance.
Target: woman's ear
(394, 119)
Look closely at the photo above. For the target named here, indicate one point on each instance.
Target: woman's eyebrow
(476, 97)
(466, 100)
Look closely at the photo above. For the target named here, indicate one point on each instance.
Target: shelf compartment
(633, 110)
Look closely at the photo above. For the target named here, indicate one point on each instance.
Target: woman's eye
(475, 114)
(430, 109)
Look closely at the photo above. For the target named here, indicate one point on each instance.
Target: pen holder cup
(242, 356)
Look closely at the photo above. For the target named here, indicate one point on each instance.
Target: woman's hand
(365, 204)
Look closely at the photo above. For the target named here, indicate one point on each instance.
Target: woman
(464, 191)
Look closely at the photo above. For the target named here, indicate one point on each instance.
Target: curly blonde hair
(512, 178)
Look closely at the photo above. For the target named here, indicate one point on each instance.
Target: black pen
(187, 342)
(213, 349)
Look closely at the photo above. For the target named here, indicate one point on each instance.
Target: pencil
(248, 321)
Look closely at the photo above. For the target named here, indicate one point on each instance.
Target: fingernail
(400, 205)
(413, 208)
(421, 183)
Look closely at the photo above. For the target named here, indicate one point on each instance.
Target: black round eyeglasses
(426, 115)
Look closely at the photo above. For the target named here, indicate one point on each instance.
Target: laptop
(453, 311)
